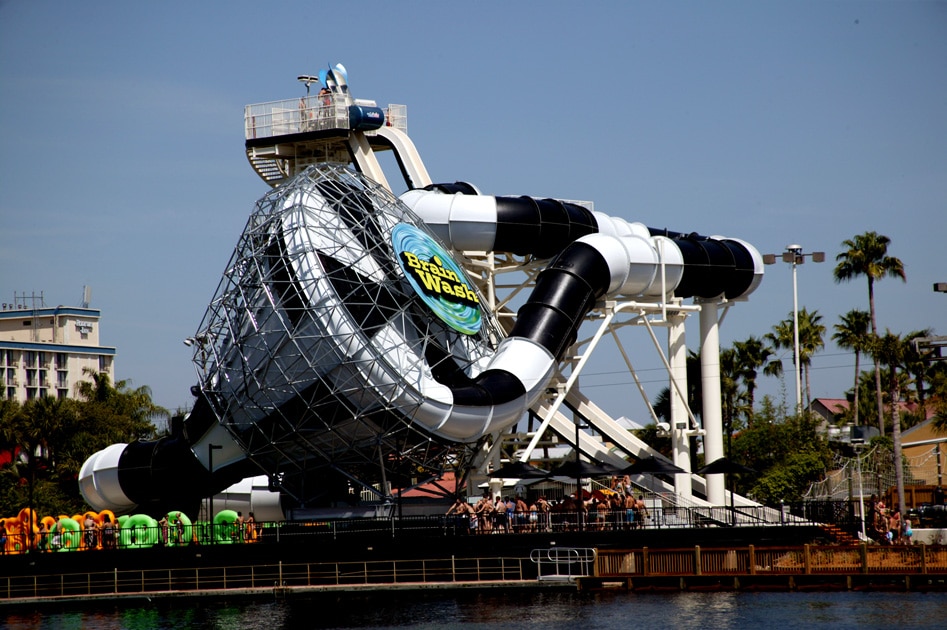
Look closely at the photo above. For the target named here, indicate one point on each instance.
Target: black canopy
(653, 466)
(582, 469)
(724, 466)
(518, 470)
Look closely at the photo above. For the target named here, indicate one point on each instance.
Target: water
(511, 609)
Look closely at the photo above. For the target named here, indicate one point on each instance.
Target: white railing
(310, 113)
(563, 563)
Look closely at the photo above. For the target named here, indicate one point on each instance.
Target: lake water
(509, 609)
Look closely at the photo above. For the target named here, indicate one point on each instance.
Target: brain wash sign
(435, 277)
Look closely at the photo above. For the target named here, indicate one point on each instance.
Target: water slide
(345, 345)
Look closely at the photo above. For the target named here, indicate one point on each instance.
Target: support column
(712, 413)
(680, 423)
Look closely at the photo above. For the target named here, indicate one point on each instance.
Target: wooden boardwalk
(809, 567)
(806, 567)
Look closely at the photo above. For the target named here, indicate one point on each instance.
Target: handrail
(309, 113)
(263, 577)
(918, 559)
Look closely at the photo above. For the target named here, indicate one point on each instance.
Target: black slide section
(711, 266)
(541, 227)
(564, 293)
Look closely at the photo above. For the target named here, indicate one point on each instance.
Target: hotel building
(44, 351)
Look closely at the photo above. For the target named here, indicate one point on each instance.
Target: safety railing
(230, 533)
(265, 576)
(563, 563)
(309, 113)
(805, 560)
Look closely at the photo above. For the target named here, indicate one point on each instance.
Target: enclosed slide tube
(694, 265)
(394, 365)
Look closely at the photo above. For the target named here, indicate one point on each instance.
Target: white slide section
(408, 156)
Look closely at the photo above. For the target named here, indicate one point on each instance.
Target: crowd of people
(613, 508)
(887, 524)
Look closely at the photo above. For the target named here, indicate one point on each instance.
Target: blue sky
(776, 122)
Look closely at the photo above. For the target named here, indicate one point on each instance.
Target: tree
(852, 334)
(751, 355)
(51, 438)
(892, 350)
(695, 399)
(867, 255)
(811, 333)
(787, 453)
(916, 363)
(731, 398)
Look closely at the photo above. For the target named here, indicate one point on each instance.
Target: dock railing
(806, 560)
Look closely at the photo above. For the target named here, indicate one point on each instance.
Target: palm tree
(811, 334)
(852, 334)
(729, 388)
(892, 351)
(695, 398)
(916, 363)
(867, 255)
(751, 355)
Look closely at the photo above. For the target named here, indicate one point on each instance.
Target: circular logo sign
(434, 276)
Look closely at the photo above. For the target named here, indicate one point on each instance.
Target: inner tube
(138, 531)
(69, 534)
(226, 531)
(179, 537)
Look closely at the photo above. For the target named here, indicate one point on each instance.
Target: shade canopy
(652, 466)
(582, 469)
(724, 466)
(518, 470)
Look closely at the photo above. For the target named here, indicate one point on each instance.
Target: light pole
(210, 506)
(861, 494)
(794, 256)
(578, 477)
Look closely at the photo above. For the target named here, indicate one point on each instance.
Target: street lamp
(794, 256)
(859, 447)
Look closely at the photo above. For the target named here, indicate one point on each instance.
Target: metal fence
(657, 518)
(265, 577)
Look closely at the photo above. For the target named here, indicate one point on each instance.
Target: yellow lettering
(411, 260)
(431, 282)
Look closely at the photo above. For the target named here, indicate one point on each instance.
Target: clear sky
(122, 164)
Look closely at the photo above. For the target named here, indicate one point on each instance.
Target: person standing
(894, 527)
(250, 525)
(89, 532)
(163, 525)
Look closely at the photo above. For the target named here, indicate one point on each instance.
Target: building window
(104, 363)
(31, 359)
(31, 378)
(30, 393)
(62, 394)
(61, 360)
(11, 393)
(62, 379)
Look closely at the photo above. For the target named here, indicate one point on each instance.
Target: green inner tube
(138, 531)
(69, 534)
(179, 536)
